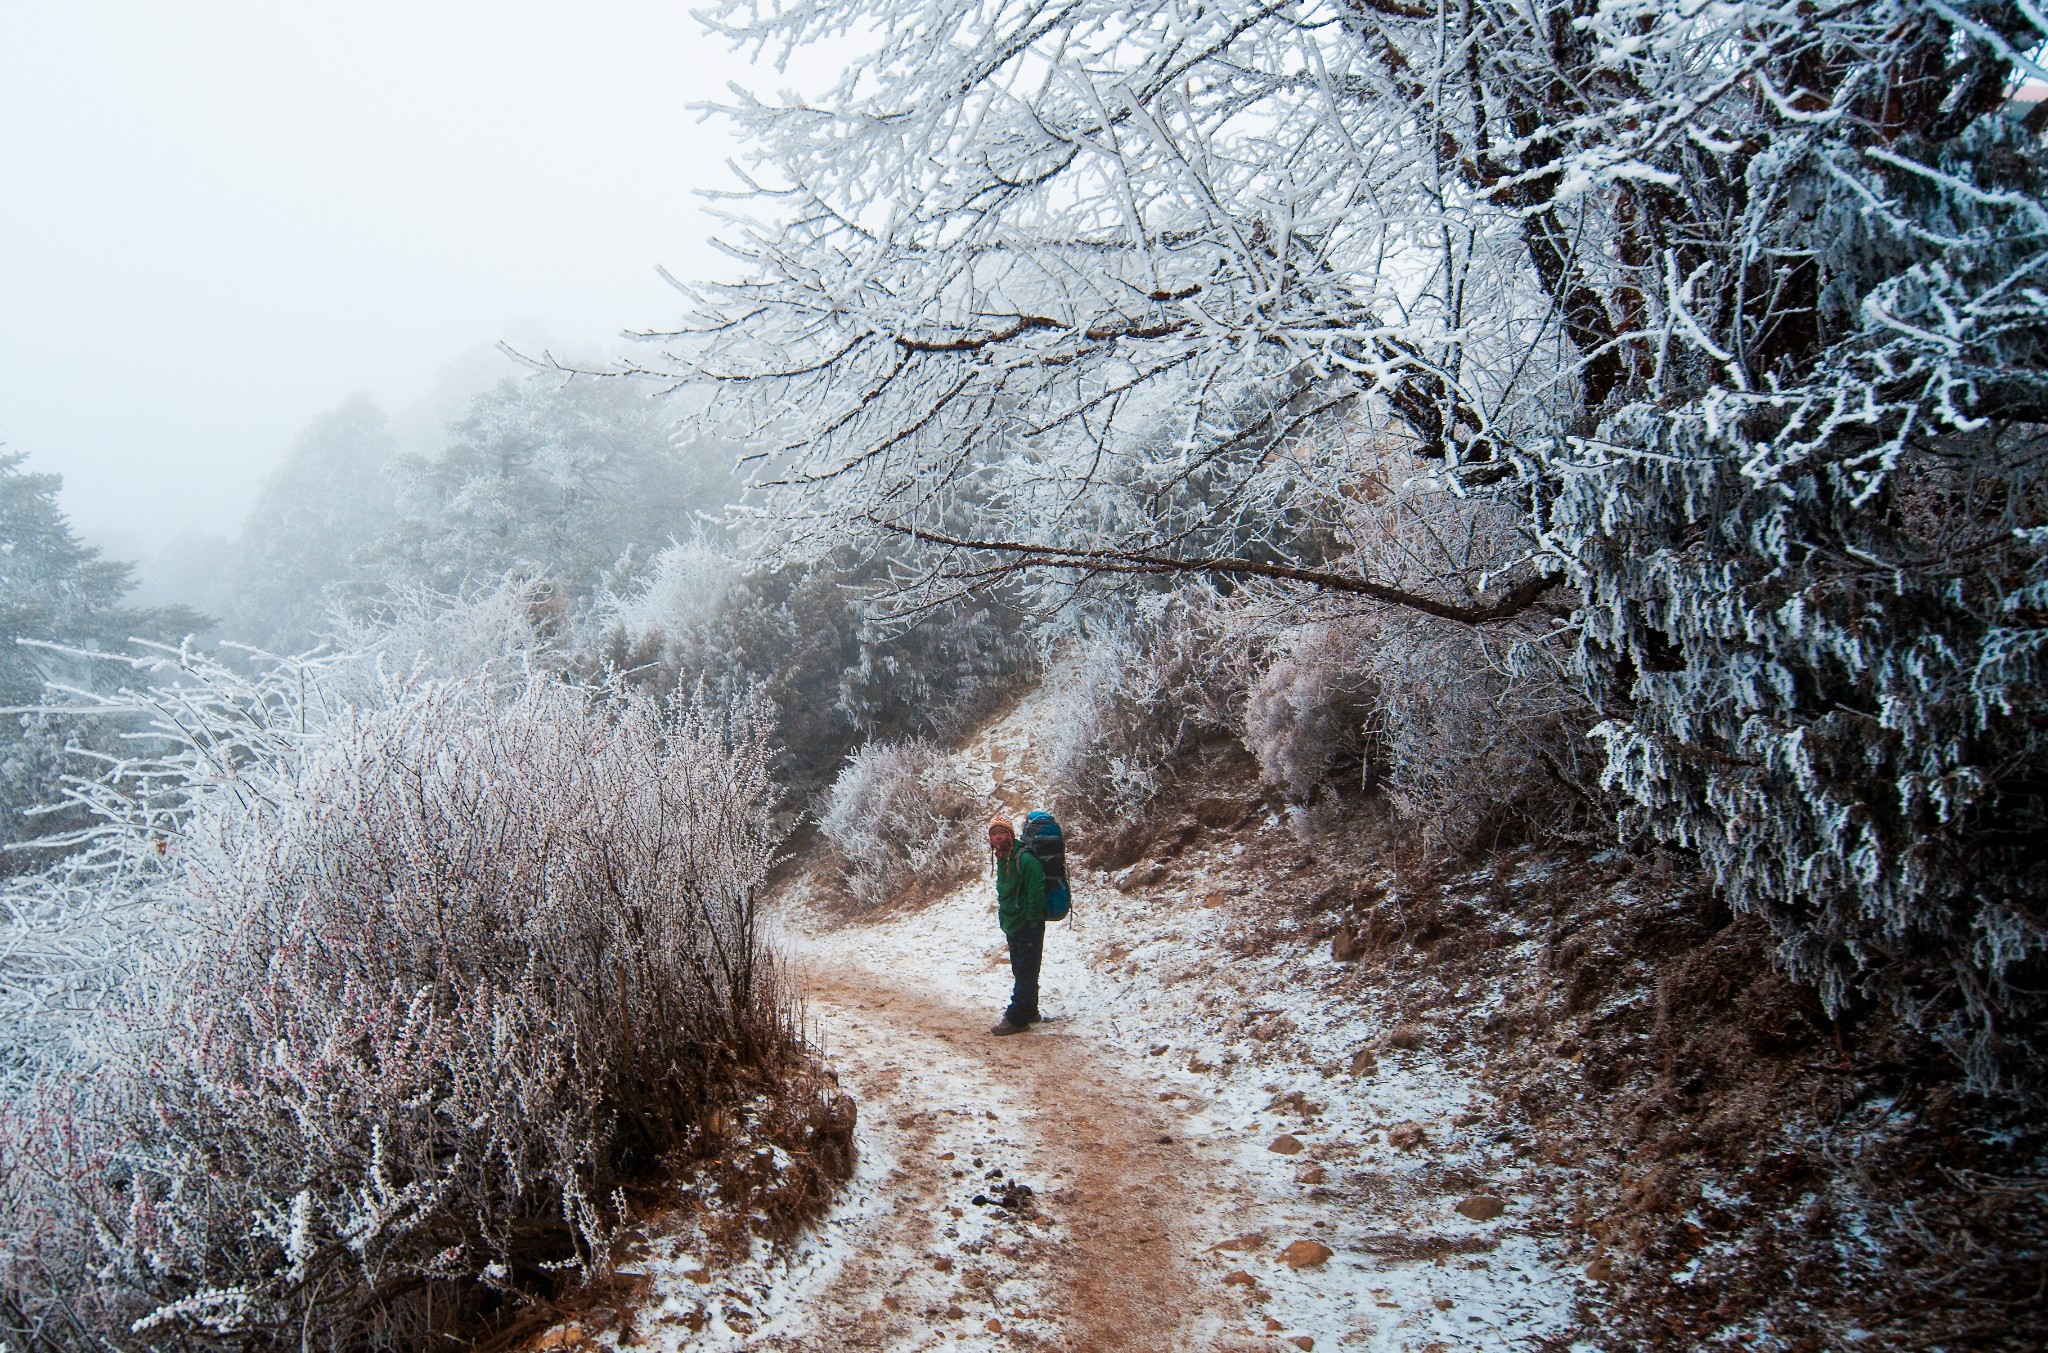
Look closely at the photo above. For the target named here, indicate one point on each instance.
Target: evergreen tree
(54, 589)
(329, 500)
(572, 483)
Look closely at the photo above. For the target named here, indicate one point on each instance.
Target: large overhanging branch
(1503, 606)
(1022, 324)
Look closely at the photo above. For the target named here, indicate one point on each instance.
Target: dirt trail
(1101, 1264)
(1228, 1150)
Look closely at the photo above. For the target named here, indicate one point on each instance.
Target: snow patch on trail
(947, 1111)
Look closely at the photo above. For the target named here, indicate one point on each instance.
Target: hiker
(1020, 910)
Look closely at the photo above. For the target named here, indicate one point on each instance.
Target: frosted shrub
(1123, 705)
(1476, 732)
(1469, 729)
(431, 974)
(1089, 749)
(900, 822)
(1306, 712)
(1468, 732)
(689, 588)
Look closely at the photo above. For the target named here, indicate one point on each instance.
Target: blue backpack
(1043, 838)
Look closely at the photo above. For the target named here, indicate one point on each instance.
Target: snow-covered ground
(1206, 1111)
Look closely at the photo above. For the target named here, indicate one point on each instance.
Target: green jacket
(1020, 890)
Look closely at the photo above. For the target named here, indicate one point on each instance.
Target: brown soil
(1103, 1246)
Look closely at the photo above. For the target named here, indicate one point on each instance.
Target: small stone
(1141, 875)
(994, 1326)
(943, 1264)
(1293, 1101)
(947, 1156)
(892, 1302)
(1465, 1120)
(1405, 1036)
(1482, 1207)
(1198, 1066)
(699, 1275)
(1237, 1277)
(1305, 1254)
(1286, 1144)
(1444, 1303)
(954, 1313)
(1157, 1050)
(1302, 1342)
(1273, 1326)
(1266, 1030)
(1363, 1063)
(561, 1336)
(1310, 1174)
(1406, 1136)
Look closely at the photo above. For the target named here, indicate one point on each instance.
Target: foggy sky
(219, 219)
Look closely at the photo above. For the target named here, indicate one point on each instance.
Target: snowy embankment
(1227, 1149)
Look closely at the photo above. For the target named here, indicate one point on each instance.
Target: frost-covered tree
(900, 821)
(577, 483)
(802, 632)
(1740, 307)
(1101, 261)
(54, 590)
(329, 500)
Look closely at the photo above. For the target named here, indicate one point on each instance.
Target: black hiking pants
(1027, 951)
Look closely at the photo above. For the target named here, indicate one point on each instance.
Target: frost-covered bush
(1123, 704)
(394, 989)
(689, 587)
(900, 822)
(1476, 734)
(1468, 733)
(1307, 711)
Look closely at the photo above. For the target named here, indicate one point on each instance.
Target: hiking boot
(1006, 1027)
